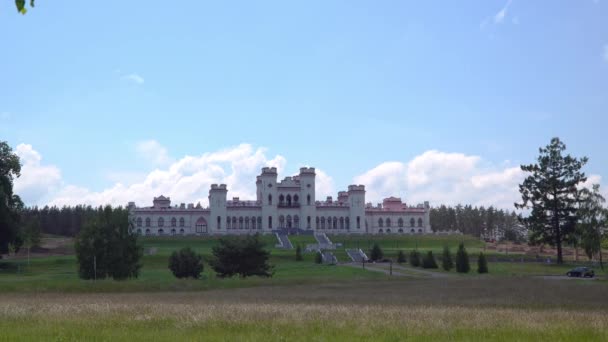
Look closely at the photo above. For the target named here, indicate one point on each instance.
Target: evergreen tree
(401, 257)
(299, 253)
(376, 253)
(186, 263)
(551, 193)
(429, 261)
(10, 204)
(244, 256)
(415, 258)
(482, 263)
(593, 217)
(462, 260)
(446, 259)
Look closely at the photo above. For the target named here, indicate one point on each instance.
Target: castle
(289, 205)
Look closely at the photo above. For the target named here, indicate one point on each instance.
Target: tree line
(66, 221)
(482, 222)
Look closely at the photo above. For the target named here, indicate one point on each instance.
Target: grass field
(303, 301)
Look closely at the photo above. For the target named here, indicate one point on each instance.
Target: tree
(462, 260)
(318, 258)
(107, 247)
(429, 261)
(244, 256)
(299, 253)
(415, 258)
(376, 253)
(446, 259)
(401, 257)
(31, 235)
(592, 219)
(551, 193)
(482, 263)
(186, 263)
(20, 4)
(10, 204)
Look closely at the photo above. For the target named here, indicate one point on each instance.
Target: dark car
(581, 272)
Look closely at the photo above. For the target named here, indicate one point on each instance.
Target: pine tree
(429, 261)
(401, 257)
(299, 253)
(482, 264)
(186, 263)
(415, 258)
(462, 260)
(446, 260)
(376, 253)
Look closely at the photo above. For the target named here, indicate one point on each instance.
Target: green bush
(401, 257)
(299, 253)
(186, 263)
(482, 264)
(318, 258)
(446, 259)
(244, 256)
(376, 253)
(415, 258)
(429, 261)
(462, 260)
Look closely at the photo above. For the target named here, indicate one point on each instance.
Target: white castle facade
(288, 205)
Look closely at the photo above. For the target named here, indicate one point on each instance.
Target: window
(388, 230)
(241, 222)
(233, 222)
(358, 223)
(173, 222)
(228, 226)
(139, 232)
(347, 222)
(380, 223)
(388, 222)
(322, 222)
(419, 222)
(161, 222)
(289, 225)
(160, 232)
(335, 226)
(419, 230)
(246, 222)
(281, 221)
(201, 225)
(295, 199)
(380, 231)
(147, 231)
(147, 222)
(219, 222)
(139, 221)
(308, 199)
(253, 222)
(173, 232)
(341, 222)
(317, 224)
(308, 222)
(270, 222)
(288, 200)
(412, 222)
(182, 222)
(281, 199)
(269, 199)
(181, 231)
(400, 230)
(400, 223)
(260, 222)
(296, 221)
(412, 231)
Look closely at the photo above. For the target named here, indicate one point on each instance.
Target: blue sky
(103, 92)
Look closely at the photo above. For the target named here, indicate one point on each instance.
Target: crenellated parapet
(269, 170)
(353, 188)
(307, 170)
(220, 187)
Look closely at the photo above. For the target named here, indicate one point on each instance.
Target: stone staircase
(357, 255)
(283, 241)
(329, 258)
(322, 239)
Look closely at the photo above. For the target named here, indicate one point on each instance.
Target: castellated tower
(217, 206)
(308, 209)
(268, 187)
(356, 199)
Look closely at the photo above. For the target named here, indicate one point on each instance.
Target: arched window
(269, 199)
(412, 231)
(400, 230)
(380, 231)
(253, 222)
(161, 222)
(329, 223)
(341, 222)
(295, 199)
(173, 231)
(296, 221)
(182, 222)
(200, 225)
(412, 222)
(181, 231)
(400, 222)
(160, 232)
(147, 231)
(335, 226)
(388, 230)
(347, 222)
(288, 200)
(260, 222)
(308, 199)
(281, 221)
(388, 222)
(139, 232)
(322, 222)
(380, 222)
(246, 222)
(241, 222)
(147, 222)
(281, 200)
(358, 222)
(173, 222)
(289, 219)
(419, 222)
(139, 222)
(308, 222)
(270, 222)
(234, 226)
(228, 226)
(419, 230)
(219, 222)
(317, 225)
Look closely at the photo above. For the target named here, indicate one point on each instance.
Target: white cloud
(443, 178)
(324, 185)
(500, 16)
(36, 181)
(153, 152)
(135, 78)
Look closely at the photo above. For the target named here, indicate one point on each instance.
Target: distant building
(286, 205)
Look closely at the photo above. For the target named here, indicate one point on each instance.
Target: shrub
(446, 259)
(429, 261)
(482, 264)
(462, 260)
(415, 258)
(376, 253)
(318, 258)
(299, 253)
(244, 256)
(186, 263)
(401, 257)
